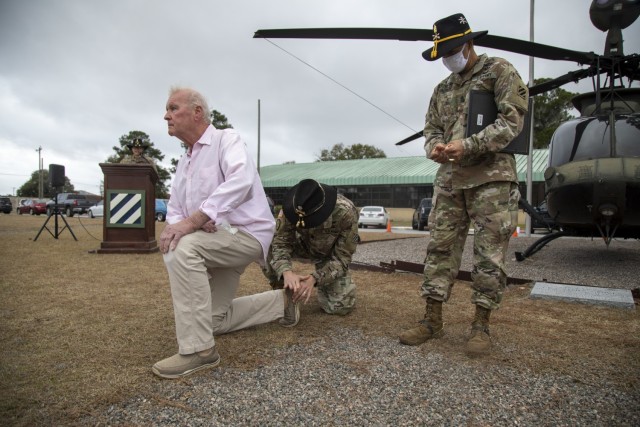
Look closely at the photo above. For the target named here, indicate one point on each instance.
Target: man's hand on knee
(172, 233)
(209, 227)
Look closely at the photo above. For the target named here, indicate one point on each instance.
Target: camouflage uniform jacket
(447, 117)
(131, 159)
(330, 245)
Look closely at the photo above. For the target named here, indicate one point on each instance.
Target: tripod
(56, 213)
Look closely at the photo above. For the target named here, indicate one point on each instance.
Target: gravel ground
(339, 380)
(570, 260)
(348, 378)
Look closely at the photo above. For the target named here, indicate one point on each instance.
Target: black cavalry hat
(448, 34)
(138, 143)
(309, 203)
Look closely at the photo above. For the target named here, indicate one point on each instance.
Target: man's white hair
(195, 99)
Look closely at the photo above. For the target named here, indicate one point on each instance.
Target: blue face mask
(456, 63)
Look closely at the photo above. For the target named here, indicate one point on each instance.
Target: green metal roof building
(398, 182)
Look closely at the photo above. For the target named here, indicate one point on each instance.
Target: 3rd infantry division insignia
(522, 92)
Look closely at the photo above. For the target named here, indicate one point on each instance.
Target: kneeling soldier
(315, 223)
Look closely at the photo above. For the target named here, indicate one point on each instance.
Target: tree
(162, 191)
(355, 151)
(550, 110)
(30, 188)
(218, 120)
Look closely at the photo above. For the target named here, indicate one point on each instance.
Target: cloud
(75, 76)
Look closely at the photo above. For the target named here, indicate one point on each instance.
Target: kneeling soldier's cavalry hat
(309, 203)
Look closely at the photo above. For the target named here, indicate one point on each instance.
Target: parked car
(376, 216)
(70, 204)
(161, 209)
(547, 221)
(5, 205)
(96, 210)
(421, 214)
(32, 207)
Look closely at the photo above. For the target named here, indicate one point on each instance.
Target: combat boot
(430, 327)
(480, 341)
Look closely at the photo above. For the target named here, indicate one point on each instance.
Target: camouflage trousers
(337, 297)
(493, 210)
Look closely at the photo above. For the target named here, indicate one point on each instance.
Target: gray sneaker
(178, 365)
(291, 310)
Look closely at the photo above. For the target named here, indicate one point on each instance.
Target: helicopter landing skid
(539, 244)
(607, 234)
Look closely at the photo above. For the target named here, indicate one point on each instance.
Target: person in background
(137, 155)
(475, 182)
(218, 222)
(318, 224)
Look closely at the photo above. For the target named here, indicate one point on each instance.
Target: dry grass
(79, 331)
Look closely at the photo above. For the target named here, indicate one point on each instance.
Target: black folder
(483, 112)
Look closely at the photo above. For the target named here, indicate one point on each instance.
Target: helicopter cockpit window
(589, 138)
(628, 136)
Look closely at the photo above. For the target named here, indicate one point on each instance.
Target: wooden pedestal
(129, 209)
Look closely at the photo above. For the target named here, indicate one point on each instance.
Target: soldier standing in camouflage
(137, 156)
(475, 183)
(318, 224)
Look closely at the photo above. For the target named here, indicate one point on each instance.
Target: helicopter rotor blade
(537, 50)
(571, 76)
(409, 139)
(404, 34)
(413, 34)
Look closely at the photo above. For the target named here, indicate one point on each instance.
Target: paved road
(565, 260)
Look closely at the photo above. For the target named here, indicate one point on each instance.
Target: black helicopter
(593, 177)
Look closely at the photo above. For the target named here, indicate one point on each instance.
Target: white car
(96, 210)
(373, 215)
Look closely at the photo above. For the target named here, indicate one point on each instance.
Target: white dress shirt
(218, 177)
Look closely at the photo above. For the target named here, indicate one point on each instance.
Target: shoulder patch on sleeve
(523, 92)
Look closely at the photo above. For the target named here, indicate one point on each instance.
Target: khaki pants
(204, 273)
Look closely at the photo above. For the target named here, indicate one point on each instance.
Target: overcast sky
(76, 75)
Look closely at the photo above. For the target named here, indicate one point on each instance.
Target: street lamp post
(40, 189)
(258, 137)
